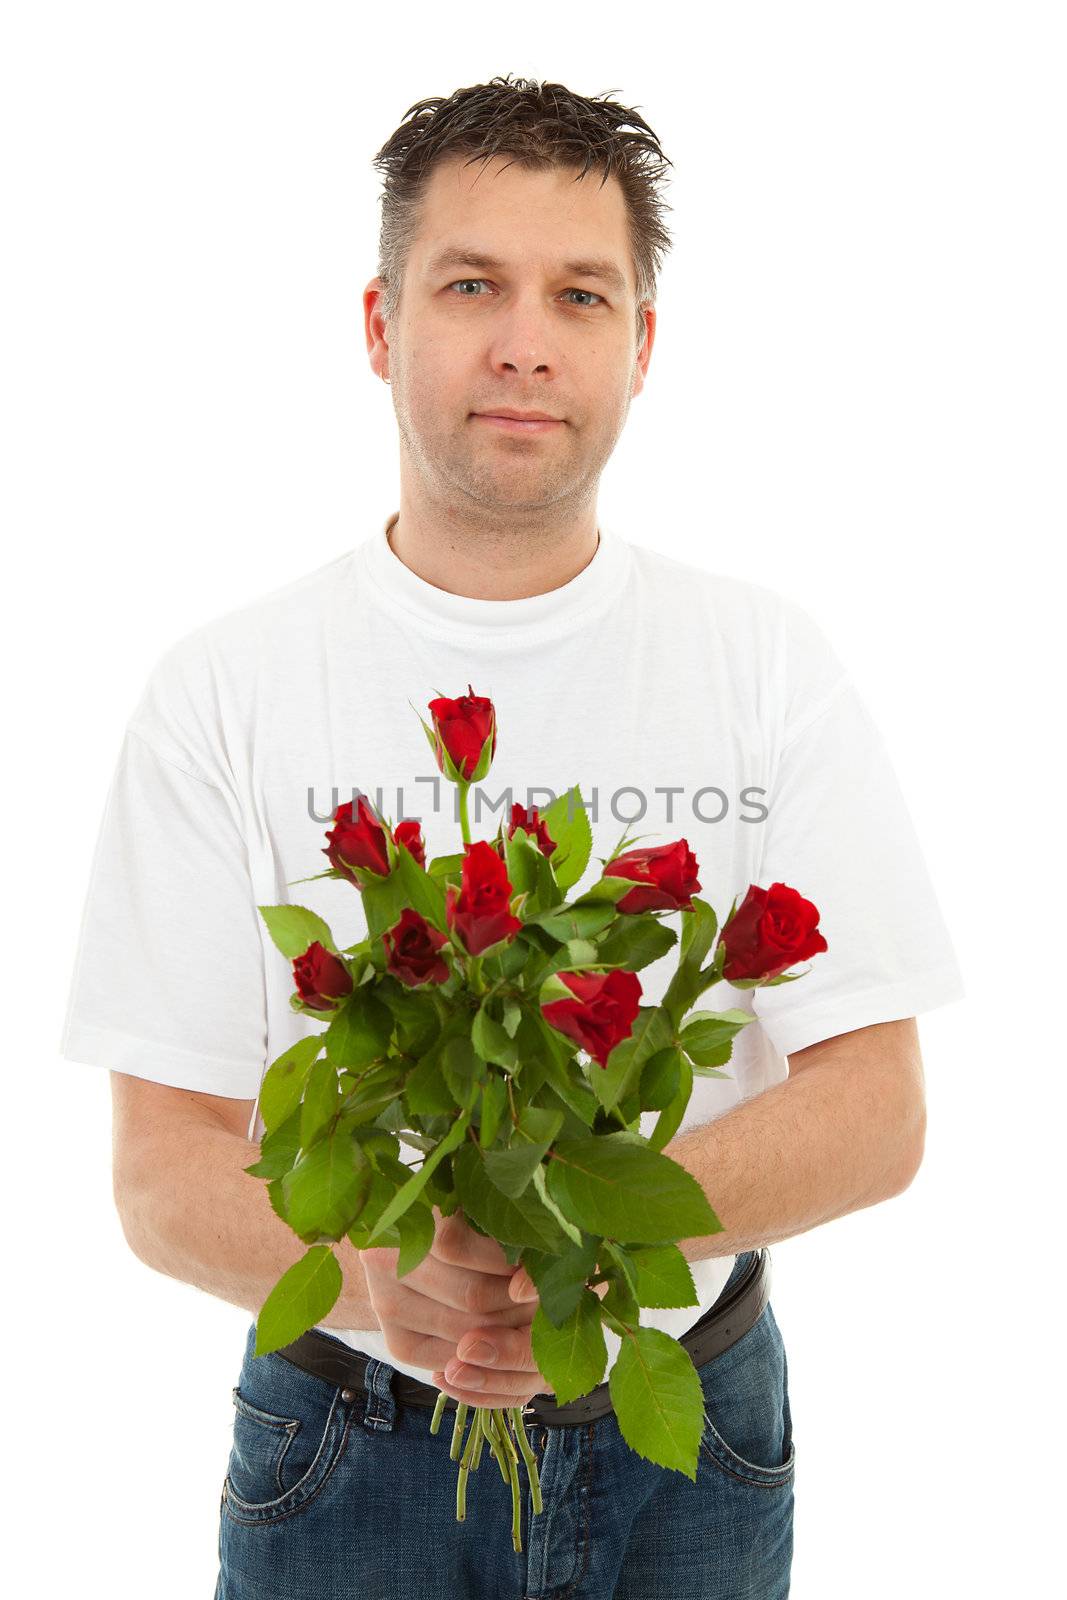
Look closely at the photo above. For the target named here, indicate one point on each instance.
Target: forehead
(495, 214)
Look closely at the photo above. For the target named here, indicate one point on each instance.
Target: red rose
(602, 1013)
(359, 843)
(531, 823)
(480, 913)
(411, 950)
(322, 979)
(461, 727)
(668, 870)
(407, 833)
(770, 931)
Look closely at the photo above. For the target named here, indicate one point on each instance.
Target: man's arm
(844, 1131)
(189, 1210)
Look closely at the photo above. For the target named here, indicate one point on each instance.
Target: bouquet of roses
(495, 1025)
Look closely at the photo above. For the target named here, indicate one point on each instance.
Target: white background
(856, 396)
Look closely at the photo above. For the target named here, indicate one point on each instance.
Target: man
(520, 232)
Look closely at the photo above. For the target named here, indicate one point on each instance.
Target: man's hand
(463, 1279)
(495, 1366)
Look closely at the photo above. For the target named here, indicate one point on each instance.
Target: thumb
(521, 1286)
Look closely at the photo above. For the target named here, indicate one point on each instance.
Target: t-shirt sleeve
(168, 982)
(839, 831)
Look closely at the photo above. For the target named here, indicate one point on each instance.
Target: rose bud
(322, 979)
(359, 843)
(770, 931)
(411, 950)
(480, 913)
(602, 1013)
(667, 874)
(408, 833)
(461, 728)
(531, 823)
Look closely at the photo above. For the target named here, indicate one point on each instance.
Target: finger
(429, 1313)
(516, 1395)
(479, 1294)
(522, 1288)
(497, 1349)
(456, 1242)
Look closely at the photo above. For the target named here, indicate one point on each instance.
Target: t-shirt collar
(441, 612)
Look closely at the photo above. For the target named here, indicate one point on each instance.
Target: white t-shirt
(683, 702)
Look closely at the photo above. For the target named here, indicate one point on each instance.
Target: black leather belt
(732, 1315)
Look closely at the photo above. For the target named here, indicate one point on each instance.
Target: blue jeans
(328, 1499)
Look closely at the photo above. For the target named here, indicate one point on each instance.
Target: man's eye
(458, 281)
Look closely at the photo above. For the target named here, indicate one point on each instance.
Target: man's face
(530, 334)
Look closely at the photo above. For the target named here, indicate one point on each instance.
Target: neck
(500, 566)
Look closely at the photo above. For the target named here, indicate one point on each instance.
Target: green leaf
(494, 1099)
(320, 1101)
(567, 821)
(325, 1191)
(296, 1004)
(616, 1188)
(448, 867)
(560, 1280)
(635, 941)
(415, 1184)
(658, 1399)
(383, 900)
(540, 1042)
(283, 1083)
(670, 1118)
(541, 1184)
(523, 1221)
(382, 1189)
(698, 932)
(660, 1079)
(425, 1090)
(582, 953)
(360, 1032)
(422, 892)
(512, 1017)
(464, 1070)
(706, 1032)
(663, 1276)
(278, 1149)
(689, 981)
(511, 1169)
(491, 1039)
(651, 1032)
(768, 983)
(582, 920)
(416, 1227)
(520, 852)
(376, 1089)
(294, 928)
(573, 1357)
(299, 1300)
(414, 1012)
(627, 1272)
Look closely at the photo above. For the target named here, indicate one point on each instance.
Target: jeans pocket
(748, 1430)
(289, 1431)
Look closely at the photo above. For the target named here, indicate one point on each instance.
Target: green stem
(495, 1445)
(438, 1412)
(457, 1431)
(528, 1456)
(464, 1466)
(513, 1477)
(463, 820)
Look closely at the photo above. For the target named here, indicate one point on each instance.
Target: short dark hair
(541, 126)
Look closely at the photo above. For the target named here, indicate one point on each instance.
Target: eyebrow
(590, 267)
